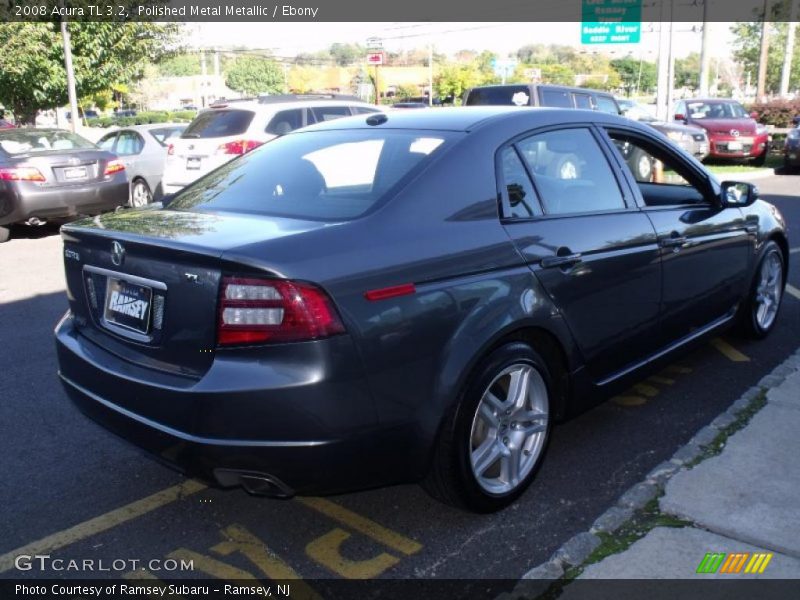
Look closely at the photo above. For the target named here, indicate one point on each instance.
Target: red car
(732, 132)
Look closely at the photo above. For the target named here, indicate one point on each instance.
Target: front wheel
(761, 309)
(493, 442)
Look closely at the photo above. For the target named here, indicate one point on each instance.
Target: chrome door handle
(560, 261)
(673, 242)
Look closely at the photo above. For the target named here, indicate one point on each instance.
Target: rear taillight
(171, 150)
(21, 174)
(238, 147)
(113, 166)
(255, 311)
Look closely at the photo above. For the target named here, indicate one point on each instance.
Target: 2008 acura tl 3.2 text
(406, 297)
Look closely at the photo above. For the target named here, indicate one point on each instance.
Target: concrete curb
(745, 176)
(575, 551)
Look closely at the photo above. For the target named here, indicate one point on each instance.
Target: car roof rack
(307, 97)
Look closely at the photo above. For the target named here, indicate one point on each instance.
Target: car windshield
(716, 110)
(29, 141)
(219, 123)
(320, 175)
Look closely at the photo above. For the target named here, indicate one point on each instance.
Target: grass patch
(742, 419)
(773, 162)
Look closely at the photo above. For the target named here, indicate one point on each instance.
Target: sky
(288, 39)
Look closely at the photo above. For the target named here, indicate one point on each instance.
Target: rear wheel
(493, 442)
(140, 193)
(761, 309)
(5, 233)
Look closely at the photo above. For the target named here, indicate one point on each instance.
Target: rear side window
(285, 121)
(328, 113)
(219, 123)
(129, 142)
(363, 110)
(520, 195)
(557, 98)
(324, 175)
(607, 105)
(583, 101)
(571, 172)
(509, 95)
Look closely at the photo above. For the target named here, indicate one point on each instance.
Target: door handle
(567, 260)
(673, 242)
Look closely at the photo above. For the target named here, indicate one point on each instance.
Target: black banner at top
(383, 10)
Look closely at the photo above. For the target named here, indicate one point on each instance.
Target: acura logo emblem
(735, 132)
(117, 253)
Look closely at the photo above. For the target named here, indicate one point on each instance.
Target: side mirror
(680, 117)
(736, 194)
(754, 115)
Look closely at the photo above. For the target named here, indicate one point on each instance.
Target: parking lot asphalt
(74, 491)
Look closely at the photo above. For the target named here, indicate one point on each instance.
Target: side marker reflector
(390, 292)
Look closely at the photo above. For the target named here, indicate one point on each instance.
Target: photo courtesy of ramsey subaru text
(413, 296)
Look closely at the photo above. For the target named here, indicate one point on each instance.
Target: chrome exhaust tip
(254, 482)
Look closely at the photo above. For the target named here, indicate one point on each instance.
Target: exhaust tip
(36, 222)
(254, 482)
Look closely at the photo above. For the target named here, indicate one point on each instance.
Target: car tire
(760, 310)
(759, 160)
(641, 165)
(493, 441)
(5, 234)
(140, 193)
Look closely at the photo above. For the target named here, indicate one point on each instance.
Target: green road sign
(611, 21)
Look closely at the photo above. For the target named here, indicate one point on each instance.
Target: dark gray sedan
(405, 297)
(50, 173)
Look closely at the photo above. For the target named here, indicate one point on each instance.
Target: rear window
(219, 123)
(324, 175)
(510, 95)
(33, 140)
(162, 134)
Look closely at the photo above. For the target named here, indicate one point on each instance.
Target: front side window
(321, 175)
(607, 105)
(661, 178)
(571, 172)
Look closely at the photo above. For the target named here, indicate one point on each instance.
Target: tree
(687, 71)
(635, 74)
(181, 65)
(253, 75)
(747, 47)
(454, 80)
(32, 73)
(346, 54)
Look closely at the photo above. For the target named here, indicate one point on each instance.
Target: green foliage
(635, 74)
(32, 73)
(181, 65)
(407, 91)
(747, 51)
(687, 72)
(456, 79)
(144, 118)
(558, 74)
(253, 75)
(346, 54)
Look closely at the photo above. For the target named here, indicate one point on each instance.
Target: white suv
(226, 130)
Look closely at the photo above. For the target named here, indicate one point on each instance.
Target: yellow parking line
(363, 525)
(792, 291)
(678, 369)
(629, 400)
(645, 390)
(729, 351)
(661, 380)
(104, 522)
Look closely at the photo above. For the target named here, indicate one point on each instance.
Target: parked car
(5, 123)
(50, 173)
(689, 137)
(410, 104)
(732, 132)
(143, 151)
(230, 129)
(558, 96)
(406, 296)
(124, 112)
(84, 114)
(791, 150)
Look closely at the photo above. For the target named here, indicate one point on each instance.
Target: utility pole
(430, 74)
(787, 59)
(662, 103)
(705, 52)
(73, 97)
(763, 60)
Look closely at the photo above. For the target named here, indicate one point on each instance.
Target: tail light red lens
(238, 147)
(171, 150)
(21, 174)
(257, 311)
(113, 166)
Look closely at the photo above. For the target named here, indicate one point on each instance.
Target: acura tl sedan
(406, 297)
(53, 174)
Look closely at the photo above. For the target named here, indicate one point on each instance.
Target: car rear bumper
(312, 435)
(791, 156)
(21, 202)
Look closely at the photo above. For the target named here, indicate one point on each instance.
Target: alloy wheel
(509, 429)
(768, 290)
(140, 195)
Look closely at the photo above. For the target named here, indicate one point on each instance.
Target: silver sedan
(143, 150)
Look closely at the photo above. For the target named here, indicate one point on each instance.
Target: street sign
(374, 43)
(611, 22)
(375, 58)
